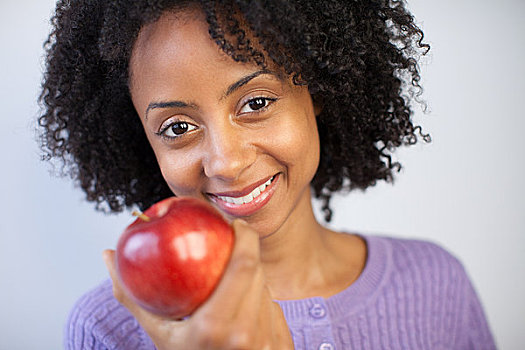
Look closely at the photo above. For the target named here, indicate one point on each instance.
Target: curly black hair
(358, 59)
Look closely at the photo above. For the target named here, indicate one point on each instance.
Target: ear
(318, 105)
(317, 109)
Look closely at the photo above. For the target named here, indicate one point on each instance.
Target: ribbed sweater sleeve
(479, 335)
(99, 322)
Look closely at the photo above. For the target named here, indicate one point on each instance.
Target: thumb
(109, 259)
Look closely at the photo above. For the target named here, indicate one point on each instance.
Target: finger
(118, 291)
(280, 330)
(109, 259)
(260, 322)
(252, 321)
(239, 274)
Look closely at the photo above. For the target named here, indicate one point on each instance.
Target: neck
(293, 256)
(303, 259)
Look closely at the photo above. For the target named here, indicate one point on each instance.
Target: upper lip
(244, 191)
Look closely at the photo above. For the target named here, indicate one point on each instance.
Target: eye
(174, 129)
(257, 104)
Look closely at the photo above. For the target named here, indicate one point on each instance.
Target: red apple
(171, 258)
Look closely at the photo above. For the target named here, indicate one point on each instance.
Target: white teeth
(237, 200)
(256, 192)
(249, 197)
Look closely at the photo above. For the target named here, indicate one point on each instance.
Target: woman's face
(226, 132)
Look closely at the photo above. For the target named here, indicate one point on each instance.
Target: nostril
(223, 166)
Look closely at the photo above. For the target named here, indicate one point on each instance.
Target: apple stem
(141, 215)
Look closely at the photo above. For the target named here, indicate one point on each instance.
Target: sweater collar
(355, 297)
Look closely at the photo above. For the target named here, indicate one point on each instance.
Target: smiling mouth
(250, 196)
(242, 203)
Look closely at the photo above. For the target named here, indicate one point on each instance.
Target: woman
(251, 106)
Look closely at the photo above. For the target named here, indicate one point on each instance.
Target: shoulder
(419, 256)
(99, 321)
(418, 270)
(428, 278)
(414, 269)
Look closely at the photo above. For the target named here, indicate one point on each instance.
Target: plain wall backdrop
(464, 191)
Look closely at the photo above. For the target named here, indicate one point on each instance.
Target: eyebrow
(168, 104)
(244, 81)
(231, 89)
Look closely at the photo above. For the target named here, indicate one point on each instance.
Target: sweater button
(326, 346)
(317, 311)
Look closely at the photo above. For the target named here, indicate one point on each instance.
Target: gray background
(464, 191)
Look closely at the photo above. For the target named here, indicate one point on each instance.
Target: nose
(228, 152)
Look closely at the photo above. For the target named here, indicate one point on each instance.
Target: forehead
(179, 40)
(175, 56)
(172, 35)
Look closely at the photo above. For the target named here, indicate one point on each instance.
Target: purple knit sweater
(411, 295)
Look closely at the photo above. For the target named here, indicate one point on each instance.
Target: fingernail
(241, 221)
(106, 255)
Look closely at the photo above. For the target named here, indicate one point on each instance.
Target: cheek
(180, 171)
(298, 146)
(310, 147)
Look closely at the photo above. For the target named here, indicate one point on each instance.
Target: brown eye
(177, 129)
(257, 104)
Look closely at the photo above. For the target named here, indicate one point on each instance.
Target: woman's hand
(240, 313)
